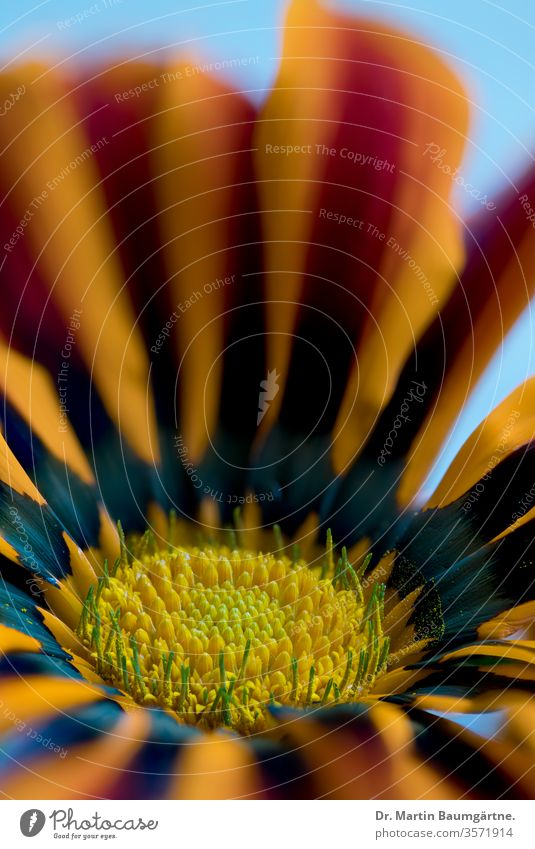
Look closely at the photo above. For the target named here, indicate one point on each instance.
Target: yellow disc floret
(218, 634)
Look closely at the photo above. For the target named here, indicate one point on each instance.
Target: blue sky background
(491, 44)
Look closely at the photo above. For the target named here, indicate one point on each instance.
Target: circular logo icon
(32, 822)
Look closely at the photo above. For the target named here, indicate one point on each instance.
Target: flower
(234, 339)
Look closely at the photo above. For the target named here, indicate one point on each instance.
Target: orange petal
(50, 181)
(201, 159)
(217, 767)
(13, 640)
(510, 426)
(88, 770)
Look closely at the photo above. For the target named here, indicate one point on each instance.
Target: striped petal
(495, 287)
(342, 134)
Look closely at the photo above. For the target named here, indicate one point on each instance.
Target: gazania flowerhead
(234, 338)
